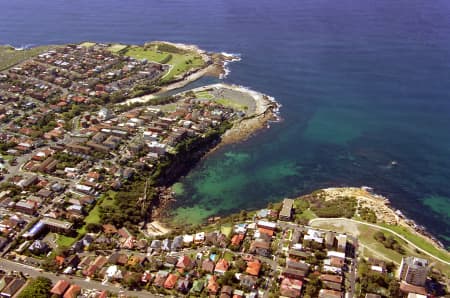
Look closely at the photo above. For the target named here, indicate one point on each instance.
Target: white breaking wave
(234, 58)
(23, 47)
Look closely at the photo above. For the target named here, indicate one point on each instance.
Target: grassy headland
(181, 60)
(9, 56)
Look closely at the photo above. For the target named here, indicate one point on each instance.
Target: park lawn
(308, 214)
(9, 56)
(377, 250)
(106, 199)
(231, 103)
(204, 94)
(149, 54)
(117, 47)
(65, 241)
(7, 157)
(88, 44)
(226, 230)
(419, 241)
(180, 62)
(170, 107)
(228, 256)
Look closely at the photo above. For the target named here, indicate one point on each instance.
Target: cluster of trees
(37, 288)
(75, 110)
(67, 160)
(313, 286)
(165, 47)
(375, 282)
(126, 210)
(45, 124)
(340, 207)
(5, 146)
(389, 242)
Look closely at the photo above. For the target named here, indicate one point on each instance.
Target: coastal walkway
(380, 228)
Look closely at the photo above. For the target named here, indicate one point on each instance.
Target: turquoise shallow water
(362, 83)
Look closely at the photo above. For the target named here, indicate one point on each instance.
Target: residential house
(184, 263)
(177, 243)
(222, 266)
(226, 292)
(60, 287)
(291, 287)
(160, 279)
(208, 266)
(197, 286)
(72, 292)
(183, 285)
(260, 247)
(236, 240)
(324, 293)
(331, 281)
(12, 287)
(213, 285)
(294, 273)
(253, 267)
(248, 281)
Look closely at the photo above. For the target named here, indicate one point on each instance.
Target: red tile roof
(222, 265)
(72, 292)
(60, 287)
(170, 281)
(253, 267)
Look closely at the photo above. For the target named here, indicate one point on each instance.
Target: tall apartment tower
(413, 270)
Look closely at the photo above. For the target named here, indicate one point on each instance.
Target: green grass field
(117, 47)
(231, 103)
(204, 94)
(226, 230)
(9, 56)
(88, 44)
(94, 214)
(372, 248)
(228, 256)
(419, 241)
(180, 62)
(64, 241)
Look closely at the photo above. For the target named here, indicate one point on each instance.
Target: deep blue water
(362, 83)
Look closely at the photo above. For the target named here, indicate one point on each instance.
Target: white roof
(336, 254)
(188, 238)
(376, 268)
(267, 224)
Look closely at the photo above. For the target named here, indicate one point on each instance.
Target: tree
(394, 288)
(93, 227)
(37, 288)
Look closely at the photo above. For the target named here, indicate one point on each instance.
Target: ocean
(365, 89)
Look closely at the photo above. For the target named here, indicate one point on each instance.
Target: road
(85, 284)
(381, 228)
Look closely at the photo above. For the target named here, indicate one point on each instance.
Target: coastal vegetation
(339, 207)
(389, 242)
(419, 241)
(370, 247)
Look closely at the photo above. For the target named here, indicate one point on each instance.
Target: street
(7, 265)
